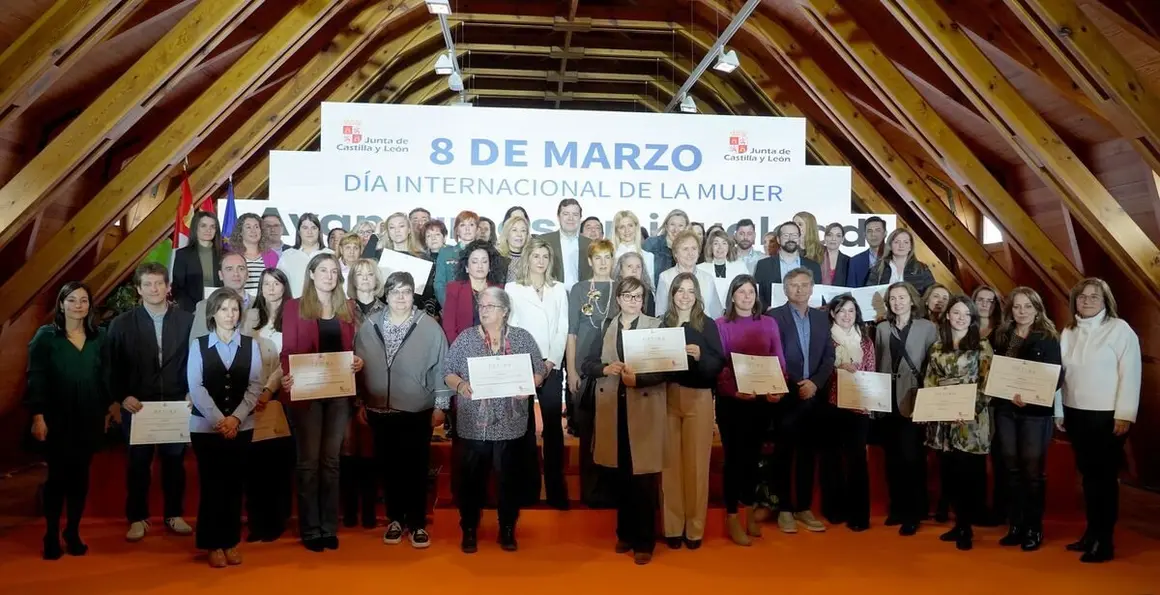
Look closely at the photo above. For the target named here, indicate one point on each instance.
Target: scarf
(847, 345)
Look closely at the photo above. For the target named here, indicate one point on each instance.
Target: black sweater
(702, 374)
(1037, 347)
(136, 370)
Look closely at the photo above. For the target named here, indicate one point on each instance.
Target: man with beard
(745, 235)
(773, 268)
(861, 263)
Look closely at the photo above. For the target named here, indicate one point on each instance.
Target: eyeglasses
(789, 236)
(1089, 297)
(489, 307)
(400, 293)
(632, 297)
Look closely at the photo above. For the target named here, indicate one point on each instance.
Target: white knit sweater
(1101, 367)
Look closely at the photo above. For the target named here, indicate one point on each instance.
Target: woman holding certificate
(961, 357)
(399, 236)
(845, 474)
(1101, 393)
(478, 269)
(322, 321)
(1024, 430)
(307, 244)
(225, 378)
(689, 435)
(902, 343)
(687, 250)
(540, 307)
(491, 430)
(630, 423)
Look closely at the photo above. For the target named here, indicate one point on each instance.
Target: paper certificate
(871, 300)
(164, 422)
(270, 422)
(1034, 382)
(499, 376)
(866, 391)
(946, 403)
(655, 350)
(758, 374)
(777, 296)
(322, 375)
(419, 268)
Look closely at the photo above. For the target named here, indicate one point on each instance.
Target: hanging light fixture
(688, 106)
(727, 62)
(444, 65)
(439, 6)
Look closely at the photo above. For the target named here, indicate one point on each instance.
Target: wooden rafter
(940, 141)
(61, 37)
(202, 116)
(1101, 71)
(573, 5)
(1035, 141)
(83, 141)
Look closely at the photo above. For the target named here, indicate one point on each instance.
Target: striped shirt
(254, 270)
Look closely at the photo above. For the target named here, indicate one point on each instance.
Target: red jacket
(301, 336)
(459, 308)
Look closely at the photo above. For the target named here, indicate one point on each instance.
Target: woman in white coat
(721, 263)
(686, 251)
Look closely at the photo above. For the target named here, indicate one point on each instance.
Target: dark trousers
(1099, 453)
(902, 443)
(68, 482)
(480, 457)
(268, 486)
(403, 459)
(140, 474)
(550, 394)
(1000, 486)
(358, 484)
(221, 467)
(1023, 440)
(743, 425)
(637, 502)
(844, 468)
(966, 475)
(795, 453)
(320, 426)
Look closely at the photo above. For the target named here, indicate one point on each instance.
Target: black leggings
(68, 481)
(966, 483)
(743, 425)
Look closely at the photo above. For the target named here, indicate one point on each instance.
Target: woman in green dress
(961, 357)
(68, 397)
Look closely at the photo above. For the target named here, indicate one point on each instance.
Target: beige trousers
(685, 477)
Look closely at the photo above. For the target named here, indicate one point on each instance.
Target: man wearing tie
(809, 362)
(569, 248)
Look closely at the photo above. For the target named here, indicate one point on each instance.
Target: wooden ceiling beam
(940, 141)
(85, 139)
(1034, 139)
(60, 38)
(1101, 71)
(893, 167)
(205, 113)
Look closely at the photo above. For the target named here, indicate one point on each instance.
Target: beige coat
(646, 413)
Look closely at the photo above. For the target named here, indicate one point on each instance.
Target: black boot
(73, 544)
(1015, 536)
(953, 535)
(1032, 540)
(966, 539)
(52, 549)
(507, 538)
(1098, 551)
(470, 542)
(1082, 545)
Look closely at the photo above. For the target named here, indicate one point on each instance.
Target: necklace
(592, 306)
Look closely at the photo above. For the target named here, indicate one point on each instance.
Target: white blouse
(546, 320)
(293, 263)
(1101, 367)
(708, 284)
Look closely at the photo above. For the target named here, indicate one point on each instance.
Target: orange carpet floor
(572, 553)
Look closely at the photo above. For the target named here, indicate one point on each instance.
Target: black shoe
(908, 529)
(1099, 551)
(470, 542)
(1032, 540)
(674, 543)
(693, 544)
(623, 547)
(507, 538)
(953, 535)
(314, 544)
(966, 540)
(52, 549)
(330, 542)
(857, 526)
(1015, 536)
(893, 521)
(73, 545)
(1082, 545)
(642, 558)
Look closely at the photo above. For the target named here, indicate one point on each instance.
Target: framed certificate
(946, 403)
(162, 422)
(1034, 382)
(499, 376)
(758, 374)
(419, 268)
(655, 350)
(322, 375)
(865, 391)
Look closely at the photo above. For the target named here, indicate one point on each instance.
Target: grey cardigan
(414, 380)
(923, 333)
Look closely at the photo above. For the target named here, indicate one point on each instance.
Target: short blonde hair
(359, 265)
(686, 235)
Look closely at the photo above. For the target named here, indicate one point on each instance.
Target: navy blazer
(821, 348)
(858, 269)
(768, 271)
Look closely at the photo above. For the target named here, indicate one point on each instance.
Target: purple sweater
(749, 337)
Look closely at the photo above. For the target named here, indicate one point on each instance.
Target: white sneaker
(807, 518)
(786, 522)
(137, 531)
(420, 539)
(178, 525)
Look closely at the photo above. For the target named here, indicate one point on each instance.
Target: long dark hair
(495, 272)
(90, 321)
(260, 303)
(738, 281)
(697, 315)
(217, 233)
(311, 217)
(971, 341)
(839, 302)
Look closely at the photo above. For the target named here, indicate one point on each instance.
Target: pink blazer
(301, 336)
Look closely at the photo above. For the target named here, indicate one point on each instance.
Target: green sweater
(69, 386)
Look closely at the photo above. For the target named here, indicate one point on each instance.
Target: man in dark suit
(861, 263)
(569, 248)
(809, 363)
(775, 267)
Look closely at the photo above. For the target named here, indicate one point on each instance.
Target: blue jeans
(1023, 442)
(319, 428)
(139, 475)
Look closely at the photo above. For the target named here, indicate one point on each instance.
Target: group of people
(220, 334)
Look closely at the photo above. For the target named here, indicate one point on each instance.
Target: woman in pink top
(744, 418)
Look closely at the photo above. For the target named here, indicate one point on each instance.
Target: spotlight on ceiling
(688, 105)
(439, 6)
(727, 62)
(444, 65)
(455, 82)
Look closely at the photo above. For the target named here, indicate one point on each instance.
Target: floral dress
(950, 367)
